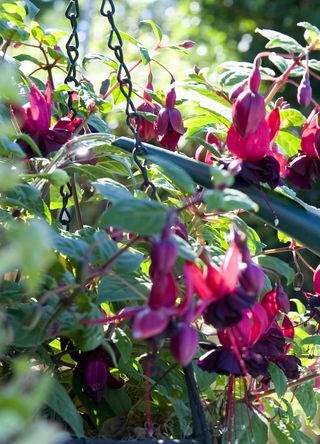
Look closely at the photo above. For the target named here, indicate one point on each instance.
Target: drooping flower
(147, 129)
(169, 124)
(223, 299)
(93, 368)
(34, 119)
(304, 168)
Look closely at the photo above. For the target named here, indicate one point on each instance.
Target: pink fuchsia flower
(253, 146)
(169, 125)
(34, 119)
(223, 299)
(310, 136)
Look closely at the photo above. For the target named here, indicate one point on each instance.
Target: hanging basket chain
(65, 216)
(72, 47)
(125, 85)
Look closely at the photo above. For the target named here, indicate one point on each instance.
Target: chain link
(72, 47)
(65, 216)
(125, 84)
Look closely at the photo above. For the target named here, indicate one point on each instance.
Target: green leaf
(278, 378)
(129, 38)
(208, 91)
(100, 58)
(306, 397)
(178, 176)
(32, 8)
(228, 200)
(60, 402)
(279, 266)
(70, 245)
(143, 217)
(8, 148)
(38, 33)
(288, 142)
(124, 344)
(27, 197)
(279, 40)
(185, 251)
(118, 400)
(144, 53)
(122, 287)
(291, 117)
(311, 34)
(112, 190)
(155, 28)
(281, 433)
(311, 340)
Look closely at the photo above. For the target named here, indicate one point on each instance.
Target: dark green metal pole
(293, 219)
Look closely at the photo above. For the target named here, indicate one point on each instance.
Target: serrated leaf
(279, 40)
(278, 378)
(155, 28)
(60, 402)
(133, 215)
(178, 176)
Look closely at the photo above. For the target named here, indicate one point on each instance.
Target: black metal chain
(65, 216)
(125, 85)
(72, 47)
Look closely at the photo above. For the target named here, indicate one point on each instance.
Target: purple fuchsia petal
(148, 323)
(162, 123)
(248, 112)
(184, 343)
(176, 120)
(96, 377)
(221, 361)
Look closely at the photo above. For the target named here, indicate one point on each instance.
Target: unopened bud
(251, 278)
(184, 344)
(163, 255)
(236, 91)
(187, 44)
(282, 299)
(304, 95)
(255, 80)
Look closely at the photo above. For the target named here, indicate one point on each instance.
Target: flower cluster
(168, 126)
(34, 119)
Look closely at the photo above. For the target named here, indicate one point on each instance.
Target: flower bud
(148, 323)
(282, 299)
(236, 91)
(184, 344)
(255, 80)
(316, 280)
(163, 255)
(298, 281)
(248, 112)
(304, 94)
(187, 44)
(251, 277)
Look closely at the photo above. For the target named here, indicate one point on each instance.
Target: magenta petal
(252, 147)
(162, 122)
(171, 98)
(248, 112)
(176, 120)
(39, 111)
(148, 323)
(184, 344)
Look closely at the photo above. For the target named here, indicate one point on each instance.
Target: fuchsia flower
(223, 297)
(169, 125)
(147, 130)
(94, 370)
(34, 119)
(304, 169)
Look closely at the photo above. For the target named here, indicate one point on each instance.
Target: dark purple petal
(290, 365)
(184, 343)
(176, 120)
(271, 343)
(96, 378)
(162, 123)
(221, 361)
